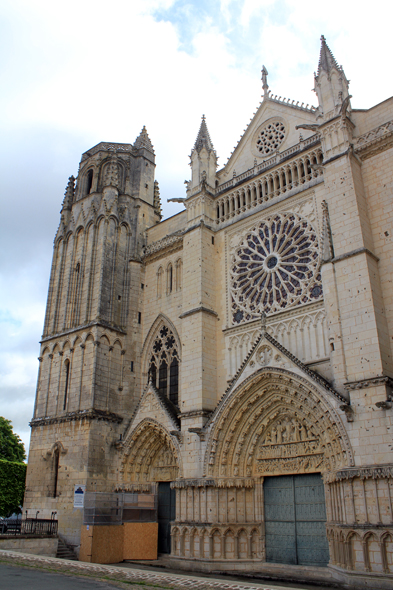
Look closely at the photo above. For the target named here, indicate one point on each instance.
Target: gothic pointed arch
(150, 454)
(273, 423)
(161, 358)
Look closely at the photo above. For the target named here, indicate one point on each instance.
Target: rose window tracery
(270, 138)
(275, 266)
(164, 365)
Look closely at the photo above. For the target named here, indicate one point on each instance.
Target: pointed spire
(326, 58)
(112, 172)
(143, 141)
(265, 85)
(157, 200)
(203, 138)
(69, 195)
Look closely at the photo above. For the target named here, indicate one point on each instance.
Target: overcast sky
(82, 71)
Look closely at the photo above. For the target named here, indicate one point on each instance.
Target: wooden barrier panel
(113, 544)
(140, 540)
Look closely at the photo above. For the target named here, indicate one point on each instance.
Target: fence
(29, 526)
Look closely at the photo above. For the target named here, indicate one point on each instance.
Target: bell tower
(92, 336)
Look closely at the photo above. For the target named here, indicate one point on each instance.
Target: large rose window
(275, 266)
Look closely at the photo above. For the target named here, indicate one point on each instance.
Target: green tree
(11, 446)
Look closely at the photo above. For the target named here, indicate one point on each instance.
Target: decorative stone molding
(355, 253)
(269, 401)
(370, 382)
(198, 310)
(239, 482)
(375, 472)
(196, 414)
(77, 416)
(374, 141)
(150, 454)
(282, 181)
(164, 247)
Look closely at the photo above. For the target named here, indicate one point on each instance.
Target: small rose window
(270, 138)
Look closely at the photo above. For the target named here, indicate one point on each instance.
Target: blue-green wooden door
(166, 511)
(295, 518)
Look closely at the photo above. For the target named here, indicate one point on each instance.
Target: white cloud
(86, 71)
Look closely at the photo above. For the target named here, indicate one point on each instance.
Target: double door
(295, 518)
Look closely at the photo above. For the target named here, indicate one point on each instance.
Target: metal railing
(28, 526)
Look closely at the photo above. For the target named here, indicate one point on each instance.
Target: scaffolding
(116, 508)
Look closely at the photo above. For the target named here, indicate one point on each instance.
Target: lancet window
(164, 365)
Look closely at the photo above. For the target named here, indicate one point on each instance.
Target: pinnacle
(326, 58)
(203, 138)
(143, 141)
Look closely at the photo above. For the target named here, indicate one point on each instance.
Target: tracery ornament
(270, 137)
(164, 364)
(275, 266)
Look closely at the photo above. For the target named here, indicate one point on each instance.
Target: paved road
(21, 578)
(36, 572)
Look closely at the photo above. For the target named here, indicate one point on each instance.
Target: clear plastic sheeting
(119, 507)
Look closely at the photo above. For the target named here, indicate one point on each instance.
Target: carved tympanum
(149, 455)
(276, 422)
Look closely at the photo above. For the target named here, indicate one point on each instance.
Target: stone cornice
(370, 382)
(231, 482)
(76, 417)
(196, 414)
(99, 323)
(374, 141)
(163, 247)
(374, 472)
(354, 253)
(198, 310)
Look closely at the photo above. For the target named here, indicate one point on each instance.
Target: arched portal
(150, 455)
(276, 422)
(281, 432)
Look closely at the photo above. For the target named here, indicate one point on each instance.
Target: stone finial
(157, 200)
(143, 141)
(112, 173)
(327, 242)
(265, 85)
(203, 138)
(69, 195)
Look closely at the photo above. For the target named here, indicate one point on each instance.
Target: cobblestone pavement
(108, 577)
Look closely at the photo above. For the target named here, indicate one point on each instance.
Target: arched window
(169, 279)
(164, 365)
(89, 182)
(67, 378)
(56, 461)
(179, 278)
(159, 282)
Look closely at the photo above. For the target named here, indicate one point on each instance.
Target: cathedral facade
(235, 358)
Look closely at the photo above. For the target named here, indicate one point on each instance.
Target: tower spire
(203, 158)
(330, 84)
(203, 137)
(326, 58)
(143, 141)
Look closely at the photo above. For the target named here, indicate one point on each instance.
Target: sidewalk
(130, 574)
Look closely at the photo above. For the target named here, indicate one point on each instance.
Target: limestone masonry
(236, 358)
